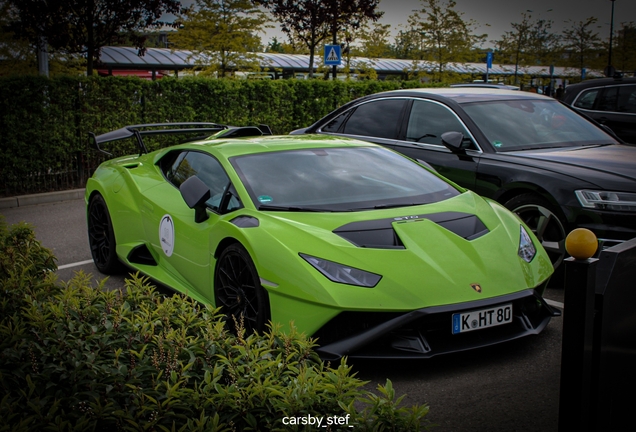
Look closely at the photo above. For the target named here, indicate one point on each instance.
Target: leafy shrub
(45, 122)
(75, 357)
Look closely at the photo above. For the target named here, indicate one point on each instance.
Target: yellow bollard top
(581, 243)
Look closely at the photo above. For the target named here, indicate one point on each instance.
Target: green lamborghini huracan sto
(358, 246)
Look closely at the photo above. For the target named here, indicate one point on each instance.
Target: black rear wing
(201, 131)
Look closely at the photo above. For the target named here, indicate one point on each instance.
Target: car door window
(609, 99)
(335, 124)
(586, 99)
(380, 119)
(627, 99)
(429, 120)
(209, 170)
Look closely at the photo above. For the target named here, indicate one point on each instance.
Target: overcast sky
(500, 13)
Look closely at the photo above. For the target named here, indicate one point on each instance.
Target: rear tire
(101, 237)
(542, 219)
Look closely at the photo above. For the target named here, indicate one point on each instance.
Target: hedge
(44, 123)
(74, 357)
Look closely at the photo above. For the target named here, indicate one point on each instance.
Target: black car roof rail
(203, 130)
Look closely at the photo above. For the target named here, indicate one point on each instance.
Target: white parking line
(554, 303)
(77, 264)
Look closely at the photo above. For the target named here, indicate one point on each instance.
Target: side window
(586, 99)
(627, 99)
(334, 125)
(380, 119)
(609, 99)
(209, 170)
(429, 120)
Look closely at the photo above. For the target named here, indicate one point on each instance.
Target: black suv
(609, 101)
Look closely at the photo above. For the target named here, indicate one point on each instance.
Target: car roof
(600, 82)
(466, 94)
(487, 85)
(270, 143)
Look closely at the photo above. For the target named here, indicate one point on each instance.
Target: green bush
(45, 122)
(75, 357)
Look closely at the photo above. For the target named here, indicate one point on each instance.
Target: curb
(42, 198)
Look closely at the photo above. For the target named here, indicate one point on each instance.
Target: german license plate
(483, 318)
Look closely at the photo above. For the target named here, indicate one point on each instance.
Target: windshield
(533, 124)
(337, 179)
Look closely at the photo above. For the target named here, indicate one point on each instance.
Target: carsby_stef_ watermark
(317, 420)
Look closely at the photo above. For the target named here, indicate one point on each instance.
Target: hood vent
(379, 234)
(385, 238)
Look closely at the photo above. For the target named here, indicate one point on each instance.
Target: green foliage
(444, 34)
(26, 269)
(85, 26)
(77, 357)
(45, 122)
(222, 35)
(311, 22)
(583, 40)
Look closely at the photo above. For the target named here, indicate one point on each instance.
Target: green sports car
(364, 249)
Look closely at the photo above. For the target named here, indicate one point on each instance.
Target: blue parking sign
(333, 55)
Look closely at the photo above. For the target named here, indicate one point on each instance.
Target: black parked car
(609, 101)
(538, 157)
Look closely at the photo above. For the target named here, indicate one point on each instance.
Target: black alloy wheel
(238, 291)
(544, 223)
(101, 237)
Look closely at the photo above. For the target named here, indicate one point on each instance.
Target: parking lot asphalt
(508, 387)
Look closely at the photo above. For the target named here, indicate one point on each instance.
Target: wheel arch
(517, 189)
(223, 244)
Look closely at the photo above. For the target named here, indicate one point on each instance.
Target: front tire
(101, 237)
(542, 219)
(238, 291)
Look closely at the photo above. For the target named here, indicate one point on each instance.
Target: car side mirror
(453, 141)
(195, 193)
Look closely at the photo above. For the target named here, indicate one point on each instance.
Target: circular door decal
(166, 235)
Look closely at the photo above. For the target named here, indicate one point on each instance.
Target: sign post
(488, 64)
(333, 56)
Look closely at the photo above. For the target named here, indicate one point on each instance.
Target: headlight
(605, 200)
(527, 251)
(343, 274)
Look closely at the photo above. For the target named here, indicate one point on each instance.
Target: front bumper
(427, 332)
(610, 227)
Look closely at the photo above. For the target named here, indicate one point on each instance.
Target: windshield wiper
(292, 208)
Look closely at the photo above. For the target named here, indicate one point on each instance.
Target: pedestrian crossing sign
(333, 55)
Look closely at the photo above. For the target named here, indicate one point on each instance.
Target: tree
(16, 53)
(85, 26)
(221, 34)
(583, 42)
(543, 44)
(275, 46)
(625, 49)
(445, 34)
(312, 21)
(374, 41)
(530, 42)
(512, 46)
(408, 45)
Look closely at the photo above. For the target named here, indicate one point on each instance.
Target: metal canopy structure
(157, 59)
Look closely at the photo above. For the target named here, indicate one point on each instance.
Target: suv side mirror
(195, 193)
